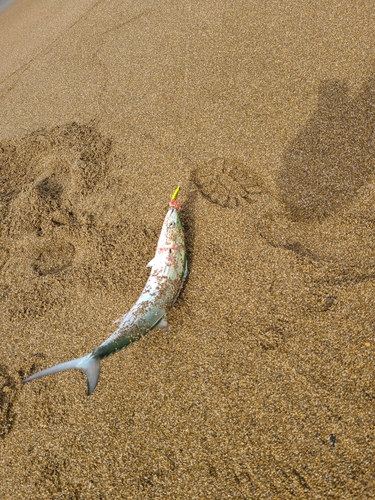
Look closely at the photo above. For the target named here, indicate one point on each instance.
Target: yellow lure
(175, 194)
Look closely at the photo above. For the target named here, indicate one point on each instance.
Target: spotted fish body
(168, 270)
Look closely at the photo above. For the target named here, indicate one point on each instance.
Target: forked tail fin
(89, 364)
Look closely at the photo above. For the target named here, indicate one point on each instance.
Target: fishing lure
(168, 270)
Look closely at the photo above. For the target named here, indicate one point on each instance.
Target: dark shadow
(332, 156)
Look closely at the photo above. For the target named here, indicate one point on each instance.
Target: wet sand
(263, 384)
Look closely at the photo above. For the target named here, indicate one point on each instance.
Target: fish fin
(186, 272)
(89, 364)
(163, 323)
(117, 321)
(151, 263)
(92, 373)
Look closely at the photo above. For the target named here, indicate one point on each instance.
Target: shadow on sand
(332, 156)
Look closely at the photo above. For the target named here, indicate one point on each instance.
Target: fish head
(172, 235)
(173, 226)
(172, 221)
(170, 255)
(172, 245)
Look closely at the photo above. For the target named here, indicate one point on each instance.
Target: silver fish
(168, 271)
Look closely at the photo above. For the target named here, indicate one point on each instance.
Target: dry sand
(263, 384)
(4, 4)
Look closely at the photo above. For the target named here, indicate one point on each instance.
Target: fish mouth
(175, 205)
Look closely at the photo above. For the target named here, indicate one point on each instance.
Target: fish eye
(172, 223)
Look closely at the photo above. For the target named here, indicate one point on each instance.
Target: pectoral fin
(163, 323)
(151, 263)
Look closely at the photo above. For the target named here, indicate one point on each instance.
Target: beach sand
(4, 4)
(263, 384)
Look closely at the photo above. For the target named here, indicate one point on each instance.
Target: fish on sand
(168, 271)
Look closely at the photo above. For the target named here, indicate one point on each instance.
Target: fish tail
(89, 364)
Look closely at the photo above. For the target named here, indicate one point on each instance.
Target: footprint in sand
(47, 173)
(226, 182)
(48, 182)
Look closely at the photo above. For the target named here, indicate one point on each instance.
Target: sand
(263, 384)
(4, 4)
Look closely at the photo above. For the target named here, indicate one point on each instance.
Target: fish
(169, 269)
